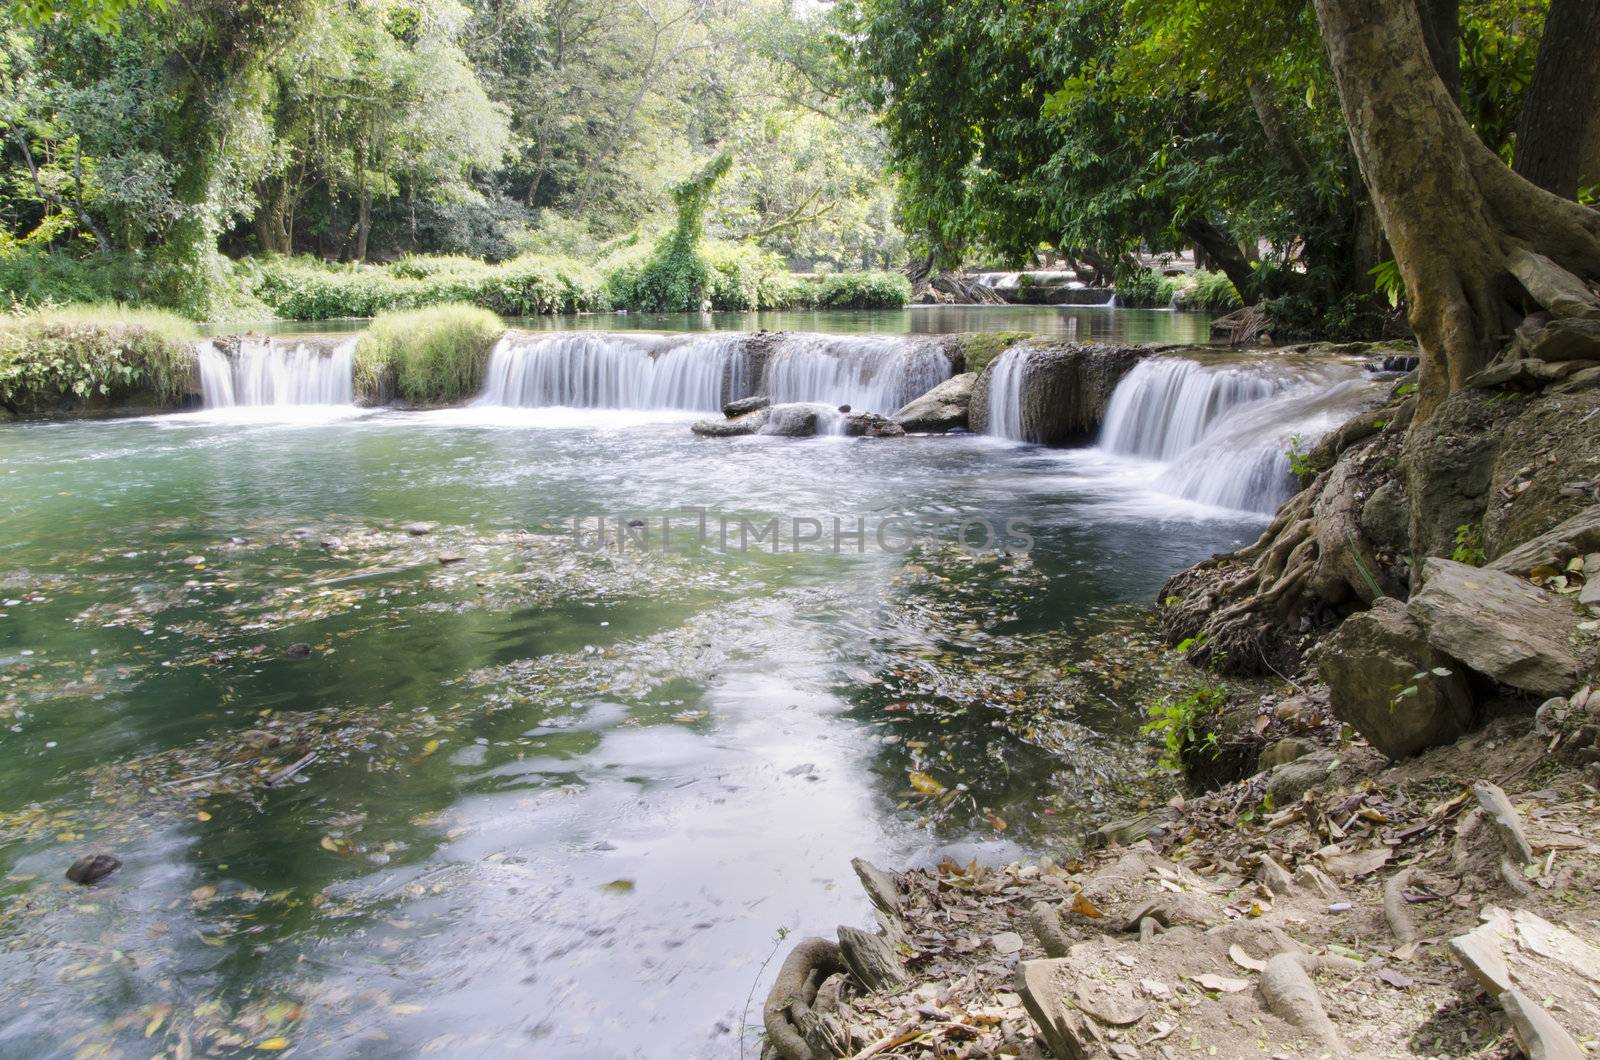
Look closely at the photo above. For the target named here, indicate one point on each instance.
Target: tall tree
(1475, 242)
(1558, 136)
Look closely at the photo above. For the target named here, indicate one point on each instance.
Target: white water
(275, 372)
(1165, 405)
(1224, 432)
(597, 370)
(701, 373)
(1005, 395)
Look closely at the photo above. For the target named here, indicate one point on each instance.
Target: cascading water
(276, 372)
(868, 373)
(1244, 463)
(1005, 395)
(1226, 431)
(1165, 405)
(634, 371)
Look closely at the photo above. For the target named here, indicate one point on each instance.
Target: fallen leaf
(1084, 907)
(1243, 959)
(273, 1045)
(1359, 863)
(926, 784)
(1221, 983)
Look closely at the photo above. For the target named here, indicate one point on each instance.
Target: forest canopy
(162, 143)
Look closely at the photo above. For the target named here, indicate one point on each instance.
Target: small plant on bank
(1469, 545)
(1180, 723)
(1300, 461)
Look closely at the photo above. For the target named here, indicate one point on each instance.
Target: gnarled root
(788, 1015)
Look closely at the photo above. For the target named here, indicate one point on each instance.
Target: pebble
(298, 651)
(418, 529)
(447, 558)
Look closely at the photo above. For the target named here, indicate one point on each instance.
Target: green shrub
(430, 356)
(1210, 292)
(34, 277)
(863, 290)
(93, 357)
(307, 289)
(1144, 289)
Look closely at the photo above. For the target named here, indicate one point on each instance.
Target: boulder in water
(871, 425)
(1371, 661)
(944, 408)
(749, 423)
(1061, 393)
(734, 409)
(802, 419)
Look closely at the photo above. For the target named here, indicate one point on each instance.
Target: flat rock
(93, 868)
(1375, 654)
(1566, 340)
(1516, 956)
(1499, 625)
(1575, 536)
(944, 408)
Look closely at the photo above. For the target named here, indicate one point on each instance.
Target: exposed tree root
(788, 1014)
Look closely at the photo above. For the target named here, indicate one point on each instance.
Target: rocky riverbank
(1391, 854)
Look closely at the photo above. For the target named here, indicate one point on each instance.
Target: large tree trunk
(1558, 132)
(1457, 218)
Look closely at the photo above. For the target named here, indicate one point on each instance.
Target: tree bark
(1223, 253)
(1441, 28)
(1558, 132)
(1454, 214)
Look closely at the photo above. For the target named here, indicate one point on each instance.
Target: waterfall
(601, 370)
(1166, 404)
(1244, 463)
(1225, 431)
(276, 372)
(868, 373)
(700, 373)
(1005, 394)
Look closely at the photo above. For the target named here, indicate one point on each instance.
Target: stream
(565, 800)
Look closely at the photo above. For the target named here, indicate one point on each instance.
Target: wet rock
(448, 558)
(944, 408)
(748, 423)
(1065, 389)
(871, 425)
(744, 406)
(1499, 625)
(193, 561)
(801, 419)
(331, 543)
(418, 529)
(93, 868)
(298, 650)
(1375, 655)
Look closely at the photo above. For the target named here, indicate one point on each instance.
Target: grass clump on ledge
(93, 358)
(432, 356)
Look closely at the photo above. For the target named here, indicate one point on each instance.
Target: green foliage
(1180, 722)
(1209, 292)
(1469, 545)
(431, 356)
(307, 289)
(979, 348)
(862, 290)
(1387, 281)
(1143, 289)
(1300, 461)
(92, 355)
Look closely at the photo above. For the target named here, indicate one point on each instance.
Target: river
(564, 800)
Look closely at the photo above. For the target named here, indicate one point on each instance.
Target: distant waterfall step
(266, 372)
(700, 373)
